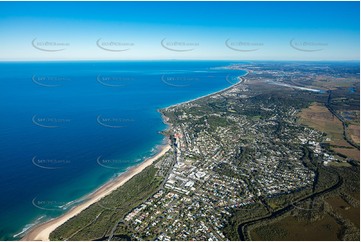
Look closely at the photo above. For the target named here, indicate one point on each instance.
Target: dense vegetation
(97, 221)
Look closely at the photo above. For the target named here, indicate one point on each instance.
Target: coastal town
(238, 158)
(180, 120)
(229, 152)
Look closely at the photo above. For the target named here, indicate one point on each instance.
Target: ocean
(69, 127)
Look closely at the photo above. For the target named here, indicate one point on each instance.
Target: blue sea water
(69, 127)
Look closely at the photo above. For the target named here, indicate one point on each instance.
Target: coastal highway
(345, 136)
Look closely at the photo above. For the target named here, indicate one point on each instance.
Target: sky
(179, 31)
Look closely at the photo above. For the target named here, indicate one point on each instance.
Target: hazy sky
(179, 30)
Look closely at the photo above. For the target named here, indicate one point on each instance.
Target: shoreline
(207, 95)
(42, 231)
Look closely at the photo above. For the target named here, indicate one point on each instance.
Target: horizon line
(134, 60)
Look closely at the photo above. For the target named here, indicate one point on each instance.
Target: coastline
(211, 94)
(42, 231)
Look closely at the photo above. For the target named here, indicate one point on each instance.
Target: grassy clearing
(317, 116)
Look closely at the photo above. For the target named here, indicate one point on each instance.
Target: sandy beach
(42, 231)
